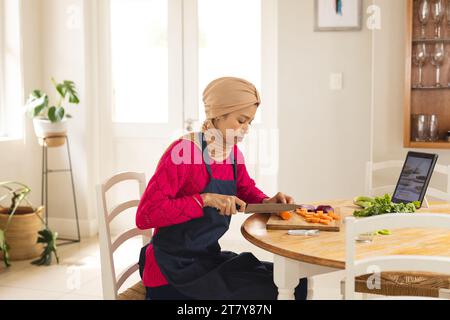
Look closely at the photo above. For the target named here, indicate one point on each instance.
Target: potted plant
(50, 121)
(23, 234)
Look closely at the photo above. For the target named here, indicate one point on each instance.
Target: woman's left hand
(279, 198)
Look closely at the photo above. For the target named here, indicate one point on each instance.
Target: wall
(324, 134)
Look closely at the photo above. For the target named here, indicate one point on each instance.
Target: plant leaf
(48, 237)
(4, 247)
(52, 115)
(59, 113)
(36, 103)
(67, 88)
(71, 90)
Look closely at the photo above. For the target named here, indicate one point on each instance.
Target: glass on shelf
(425, 128)
(437, 59)
(447, 10)
(437, 12)
(433, 127)
(419, 127)
(420, 58)
(424, 16)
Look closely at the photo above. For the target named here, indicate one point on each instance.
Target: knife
(269, 207)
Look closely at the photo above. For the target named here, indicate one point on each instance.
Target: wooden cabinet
(428, 99)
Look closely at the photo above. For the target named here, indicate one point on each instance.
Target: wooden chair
(394, 264)
(110, 282)
(394, 283)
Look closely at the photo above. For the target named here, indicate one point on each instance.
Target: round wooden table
(297, 257)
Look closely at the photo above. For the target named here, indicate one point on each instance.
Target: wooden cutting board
(298, 223)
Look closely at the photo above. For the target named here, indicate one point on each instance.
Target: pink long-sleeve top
(173, 193)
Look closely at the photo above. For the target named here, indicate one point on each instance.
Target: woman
(200, 182)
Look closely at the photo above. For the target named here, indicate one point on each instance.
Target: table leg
(310, 288)
(286, 277)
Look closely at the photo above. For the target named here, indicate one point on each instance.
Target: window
(139, 53)
(11, 84)
(2, 88)
(229, 42)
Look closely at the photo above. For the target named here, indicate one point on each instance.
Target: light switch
(336, 81)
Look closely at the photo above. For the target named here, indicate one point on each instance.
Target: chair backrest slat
(109, 279)
(126, 274)
(126, 236)
(400, 221)
(121, 208)
(120, 177)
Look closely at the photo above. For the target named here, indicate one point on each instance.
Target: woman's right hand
(225, 204)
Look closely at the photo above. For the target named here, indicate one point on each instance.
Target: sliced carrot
(325, 217)
(301, 213)
(286, 215)
(313, 220)
(334, 216)
(324, 221)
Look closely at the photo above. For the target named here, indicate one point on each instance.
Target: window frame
(3, 129)
(11, 72)
(135, 129)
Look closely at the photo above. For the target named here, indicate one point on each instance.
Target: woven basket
(418, 284)
(22, 234)
(136, 292)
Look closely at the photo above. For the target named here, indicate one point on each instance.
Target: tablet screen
(414, 177)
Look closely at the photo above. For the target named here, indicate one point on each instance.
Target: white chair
(372, 167)
(397, 263)
(112, 283)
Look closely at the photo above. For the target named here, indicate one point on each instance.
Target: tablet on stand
(415, 178)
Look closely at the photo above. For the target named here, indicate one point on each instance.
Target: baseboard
(67, 228)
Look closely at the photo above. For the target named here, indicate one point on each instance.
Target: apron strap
(205, 155)
(233, 160)
(207, 160)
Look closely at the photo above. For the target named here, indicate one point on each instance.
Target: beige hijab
(221, 97)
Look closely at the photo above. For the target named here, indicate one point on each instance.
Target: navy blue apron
(191, 259)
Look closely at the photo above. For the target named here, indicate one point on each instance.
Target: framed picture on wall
(338, 15)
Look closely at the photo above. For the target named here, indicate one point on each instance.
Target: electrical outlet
(336, 81)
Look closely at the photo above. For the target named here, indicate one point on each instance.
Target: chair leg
(444, 293)
(343, 289)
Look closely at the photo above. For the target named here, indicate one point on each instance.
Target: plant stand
(44, 191)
